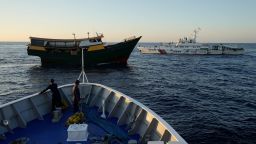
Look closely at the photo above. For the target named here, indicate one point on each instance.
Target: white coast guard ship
(190, 46)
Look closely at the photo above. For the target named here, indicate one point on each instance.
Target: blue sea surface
(205, 98)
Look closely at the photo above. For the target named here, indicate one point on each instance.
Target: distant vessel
(190, 46)
(68, 52)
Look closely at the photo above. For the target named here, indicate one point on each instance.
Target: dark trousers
(76, 106)
(55, 103)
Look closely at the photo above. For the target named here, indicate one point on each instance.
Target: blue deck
(44, 131)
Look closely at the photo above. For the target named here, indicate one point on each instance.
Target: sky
(154, 20)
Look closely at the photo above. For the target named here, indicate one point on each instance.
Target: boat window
(99, 40)
(37, 42)
(69, 44)
(92, 40)
(51, 44)
(60, 44)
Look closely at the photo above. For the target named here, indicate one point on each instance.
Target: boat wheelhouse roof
(51, 39)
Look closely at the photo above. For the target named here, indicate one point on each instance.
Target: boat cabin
(65, 43)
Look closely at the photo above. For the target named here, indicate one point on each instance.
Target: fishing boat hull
(137, 121)
(117, 54)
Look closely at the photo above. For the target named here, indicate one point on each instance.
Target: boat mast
(74, 39)
(195, 33)
(83, 72)
(88, 34)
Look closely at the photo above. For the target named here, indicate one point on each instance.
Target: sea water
(205, 98)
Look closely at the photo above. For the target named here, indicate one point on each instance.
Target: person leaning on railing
(56, 99)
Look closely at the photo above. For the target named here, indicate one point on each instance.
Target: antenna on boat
(82, 48)
(195, 33)
(74, 36)
(88, 34)
(82, 72)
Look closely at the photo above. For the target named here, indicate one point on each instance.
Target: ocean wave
(207, 99)
(17, 65)
(6, 93)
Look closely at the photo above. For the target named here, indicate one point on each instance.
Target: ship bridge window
(99, 40)
(92, 40)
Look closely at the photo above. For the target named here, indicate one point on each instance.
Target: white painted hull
(147, 124)
(190, 51)
(215, 52)
(186, 51)
(148, 50)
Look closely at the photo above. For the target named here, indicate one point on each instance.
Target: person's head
(77, 82)
(51, 81)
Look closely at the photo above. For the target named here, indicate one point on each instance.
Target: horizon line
(138, 42)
